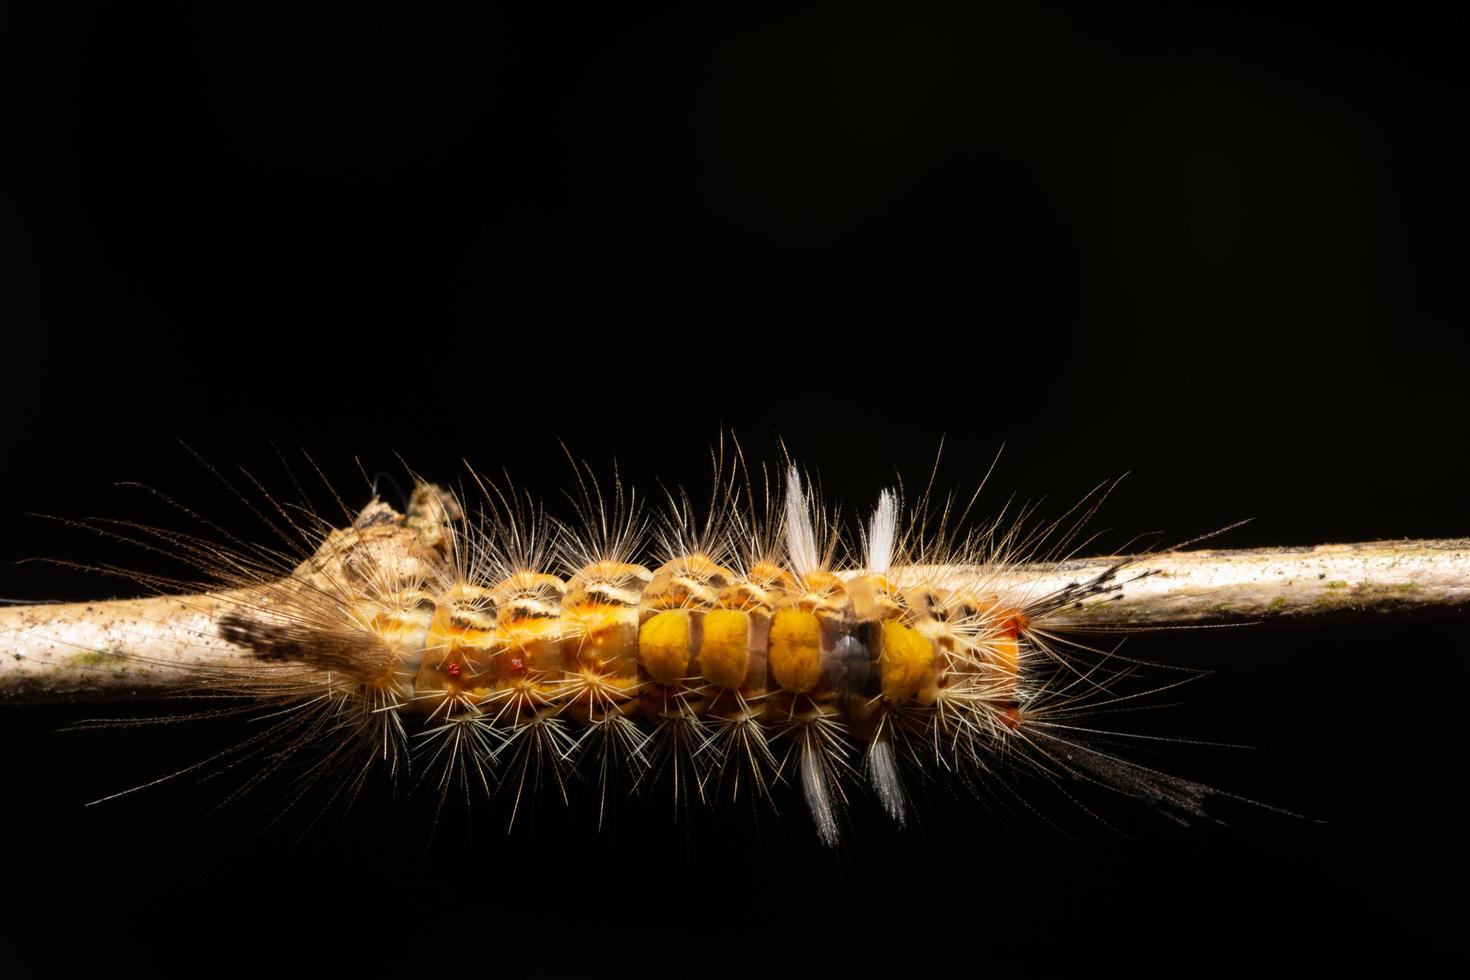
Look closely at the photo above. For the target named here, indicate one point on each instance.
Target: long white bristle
(801, 536)
(882, 531)
(883, 774)
(818, 795)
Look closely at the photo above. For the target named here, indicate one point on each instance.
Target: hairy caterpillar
(481, 644)
(161, 872)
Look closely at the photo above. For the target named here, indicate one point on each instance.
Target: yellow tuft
(724, 649)
(663, 645)
(907, 664)
(795, 651)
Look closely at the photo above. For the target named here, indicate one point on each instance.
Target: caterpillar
(494, 650)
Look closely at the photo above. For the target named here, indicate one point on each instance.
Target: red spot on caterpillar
(453, 669)
(1010, 716)
(516, 663)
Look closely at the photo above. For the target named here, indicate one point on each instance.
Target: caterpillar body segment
(512, 649)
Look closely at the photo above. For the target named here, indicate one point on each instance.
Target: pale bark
(114, 650)
(146, 648)
(1308, 586)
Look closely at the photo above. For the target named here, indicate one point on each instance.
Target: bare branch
(147, 648)
(1309, 586)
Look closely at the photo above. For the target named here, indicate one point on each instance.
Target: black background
(1219, 247)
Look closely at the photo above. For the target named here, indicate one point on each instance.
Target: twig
(146, 648)
(1310, 586)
